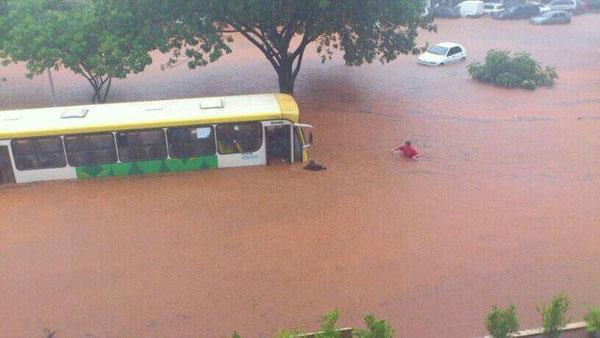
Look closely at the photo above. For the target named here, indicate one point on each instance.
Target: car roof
(448, 44)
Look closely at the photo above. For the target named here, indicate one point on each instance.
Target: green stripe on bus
(147, 167)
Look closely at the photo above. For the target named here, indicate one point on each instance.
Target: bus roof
(146, 114)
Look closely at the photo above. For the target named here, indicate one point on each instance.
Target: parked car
(490, 8)
(594, 5)
(573, 6)
(445, 12)
(543, 7)
(443, 54)
(519, 12)
(470, 8)
(551, 17)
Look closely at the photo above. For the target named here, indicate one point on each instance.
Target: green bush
(592, 318)
(520, 70)
(328, 329)
(554, 315)
(375, 329)
(500, 323)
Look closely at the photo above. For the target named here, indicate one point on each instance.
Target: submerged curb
(539, 331)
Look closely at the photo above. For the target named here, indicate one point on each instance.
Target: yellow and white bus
(123, 139)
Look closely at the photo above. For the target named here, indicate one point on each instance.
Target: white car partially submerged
(443, 54)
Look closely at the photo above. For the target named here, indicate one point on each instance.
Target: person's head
(407, 143)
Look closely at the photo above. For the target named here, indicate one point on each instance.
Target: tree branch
(83, 71)
(261, 35)
(107, 88)
(242, 26)
(305, 41)
(261, 48)
(298, 64)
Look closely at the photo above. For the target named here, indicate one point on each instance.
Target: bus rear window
(90, 149)
(239, 137)
(39, 153)
(191, 141)
(141, 145)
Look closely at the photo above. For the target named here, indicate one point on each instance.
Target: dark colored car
(519, 12)
(445, 12)
(551, 17)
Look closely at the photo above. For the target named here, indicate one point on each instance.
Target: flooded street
(501, 209)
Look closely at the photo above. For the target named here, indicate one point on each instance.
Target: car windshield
(438, 50)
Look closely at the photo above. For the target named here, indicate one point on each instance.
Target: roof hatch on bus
(212, 103)
(74, 114)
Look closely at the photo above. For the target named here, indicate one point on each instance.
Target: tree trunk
(100, 97)
(286, 84)
(286, 77)
(96, 97)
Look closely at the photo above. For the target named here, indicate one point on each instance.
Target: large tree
(98, 39)
(363, 30)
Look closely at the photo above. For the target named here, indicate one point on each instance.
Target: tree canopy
(99, 40)
(364, 31)
(106, 39)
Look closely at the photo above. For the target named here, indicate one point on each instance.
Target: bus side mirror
(310, 138)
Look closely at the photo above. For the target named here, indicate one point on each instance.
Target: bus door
(278, 139)
(301, 142)
(6, 171)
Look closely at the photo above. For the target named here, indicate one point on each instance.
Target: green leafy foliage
(501, 322)
(375, 328)
(554, 315)
(100, 40)
(520, 70)
(592, 318)
(236, 335)
(328, 329)
(364, 31)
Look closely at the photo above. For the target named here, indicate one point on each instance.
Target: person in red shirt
(407, 150)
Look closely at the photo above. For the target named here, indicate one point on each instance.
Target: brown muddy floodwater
(503, 207)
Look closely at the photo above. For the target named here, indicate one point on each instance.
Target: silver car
(551, 17)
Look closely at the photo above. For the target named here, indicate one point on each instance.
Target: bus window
(90, 149)
(239, 138)
(39, 153)
(191, 141)
(141, 145)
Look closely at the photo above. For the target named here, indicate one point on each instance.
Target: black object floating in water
(312, 165)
